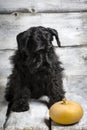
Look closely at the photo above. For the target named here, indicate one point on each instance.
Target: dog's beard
(39, 62)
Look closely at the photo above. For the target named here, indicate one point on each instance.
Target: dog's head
(36, 42)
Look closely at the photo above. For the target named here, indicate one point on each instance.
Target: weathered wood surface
(8, 6)
(72, 27)
(60, 5)
(76, 90)
(38, 118)
(74, 61)
(5, 65)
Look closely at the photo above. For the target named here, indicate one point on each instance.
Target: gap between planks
(34, 12)
(72, 46)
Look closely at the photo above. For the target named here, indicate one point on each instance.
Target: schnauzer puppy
(36, 69)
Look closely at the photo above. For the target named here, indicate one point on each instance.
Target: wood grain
(5, 65)
(60, 6)
(72, 27)
(74, 60)
(9, 6)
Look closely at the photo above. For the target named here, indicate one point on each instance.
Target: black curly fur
(36, 69)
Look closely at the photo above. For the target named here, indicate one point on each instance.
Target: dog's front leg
(20, 101)
(56, 92)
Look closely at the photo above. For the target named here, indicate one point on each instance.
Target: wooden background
(69, 18)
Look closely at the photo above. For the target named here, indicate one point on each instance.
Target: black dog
(36, 69)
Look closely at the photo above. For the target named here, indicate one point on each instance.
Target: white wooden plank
(7, 6)
(36, 118)
(72, 27)
(74, 61)
(76, 90)
(5, 65)
(60, 5)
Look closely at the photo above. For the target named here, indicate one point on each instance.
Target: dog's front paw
(20, 106)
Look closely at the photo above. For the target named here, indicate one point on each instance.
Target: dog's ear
(55, 33)
(21, 40)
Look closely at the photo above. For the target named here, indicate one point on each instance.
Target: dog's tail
(55, 33)
(7, 115)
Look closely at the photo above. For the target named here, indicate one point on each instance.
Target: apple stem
(64, 100)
